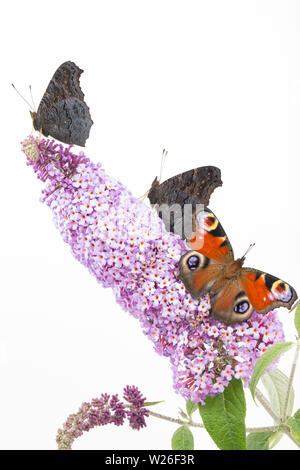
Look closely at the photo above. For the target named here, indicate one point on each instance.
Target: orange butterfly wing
(225, 303)
(265, 291)
(210, 238)
(236, 293)
(200, 280)
(210, 244)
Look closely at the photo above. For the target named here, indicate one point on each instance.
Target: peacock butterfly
(189, 189)
(237, 292)
(62, 112)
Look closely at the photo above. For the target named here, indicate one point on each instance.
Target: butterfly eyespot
(207, 220)
(281, 291)
(193, 262)
(242, 307)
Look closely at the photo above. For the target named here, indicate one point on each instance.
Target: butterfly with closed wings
(191, 188)
(62, 112)
(210, 267)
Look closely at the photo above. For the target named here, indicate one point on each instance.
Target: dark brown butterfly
(63, 113)
(238, 292)
(174, 196)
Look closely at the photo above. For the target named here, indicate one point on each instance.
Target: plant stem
(200, 425)
(290, 383)
(284, 428)
(264, 402)
(177, 421)
(263, 429)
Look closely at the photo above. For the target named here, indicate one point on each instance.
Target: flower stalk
(282, 426)
(291, 379)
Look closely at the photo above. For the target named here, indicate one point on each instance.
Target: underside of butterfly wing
(63, 113)
(194, 185)
(179, 197)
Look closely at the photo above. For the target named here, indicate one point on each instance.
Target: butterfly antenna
(250, 248)
(163, 160)
(22, 97)
(32, 99)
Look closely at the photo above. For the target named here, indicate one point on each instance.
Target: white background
(215, 83)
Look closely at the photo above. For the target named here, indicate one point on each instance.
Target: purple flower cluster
(137, 412)
(125, 246)
(104, 410)
(50, 161)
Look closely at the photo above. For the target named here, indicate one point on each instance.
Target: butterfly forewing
(265, 291)
(210, 238)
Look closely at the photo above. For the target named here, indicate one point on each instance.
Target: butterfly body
(63, 113)
(231, 271)
(236, 291)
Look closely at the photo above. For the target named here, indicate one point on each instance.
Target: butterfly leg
(142, 198)
(154, 207)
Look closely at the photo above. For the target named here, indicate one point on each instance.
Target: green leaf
(224, 417)
(297, 318)
(151, 403)
(274, 439)
(294, 423)
(266, 360)
(183, 414)
(191, 407)
(183, 439)
(259, 440)
(276, 384)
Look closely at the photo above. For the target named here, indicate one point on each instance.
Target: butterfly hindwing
(231, 304)
(198, 273)
(63, 113)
